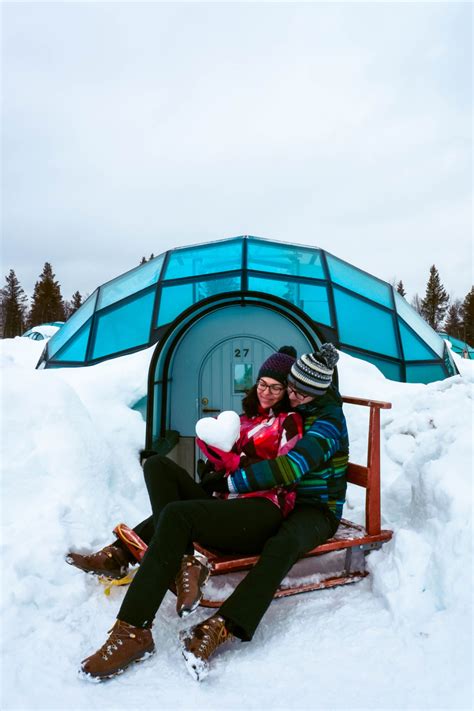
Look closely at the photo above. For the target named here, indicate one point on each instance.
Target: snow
(399, 639)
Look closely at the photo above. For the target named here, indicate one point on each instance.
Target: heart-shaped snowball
(222, 432)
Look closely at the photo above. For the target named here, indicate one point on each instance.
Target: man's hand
(214, 481)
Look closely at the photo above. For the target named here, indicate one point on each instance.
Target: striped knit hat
(312, 373)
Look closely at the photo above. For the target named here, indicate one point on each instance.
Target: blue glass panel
(457, 346)
(310, 298)
(449, 363)
(392, 371)
(419, 325)
(284, 259)
(365, 326)
(207, 259)
(425, 373)
(413, 347)
(76, 348)
(125, 326)
(176, 299)
(72, 325)
(129, 283)
(344, 274)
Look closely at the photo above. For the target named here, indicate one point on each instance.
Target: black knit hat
(312, 373)
(277, 366)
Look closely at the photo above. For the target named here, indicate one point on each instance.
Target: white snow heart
(222, 432)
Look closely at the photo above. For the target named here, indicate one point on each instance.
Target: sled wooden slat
(357, 474)
(348, 535)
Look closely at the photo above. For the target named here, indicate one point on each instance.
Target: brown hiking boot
(111, 561)
(125, 645)
(189, 583)
(200, 642)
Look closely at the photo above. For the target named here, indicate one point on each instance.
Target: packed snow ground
(400, 639)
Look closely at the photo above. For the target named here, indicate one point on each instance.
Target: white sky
(131, 128)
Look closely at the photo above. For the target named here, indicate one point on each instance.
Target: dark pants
(305, 528)
(183, 513)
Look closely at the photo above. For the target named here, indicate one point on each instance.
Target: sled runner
(339, 561)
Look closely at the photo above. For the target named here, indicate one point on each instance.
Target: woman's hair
(250, 403)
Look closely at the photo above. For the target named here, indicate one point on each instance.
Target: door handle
(209, 409)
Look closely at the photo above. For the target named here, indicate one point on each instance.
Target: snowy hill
(400, 639)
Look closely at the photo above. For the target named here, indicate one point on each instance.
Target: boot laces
(98, 556)
(182, 579)
(117, 634)
(214, 633)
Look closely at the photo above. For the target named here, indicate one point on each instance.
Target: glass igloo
(361, 314)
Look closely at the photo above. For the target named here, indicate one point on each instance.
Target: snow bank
(400, 639)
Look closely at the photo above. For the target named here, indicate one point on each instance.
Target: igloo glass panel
(413, 347)
(449, 361)
(365, 326)
(284, 259)
(208, 259)
(125, 326)
(419, 325)
(72, 325)
(390, 370)
(75, 349)
(131, 282)
(425, 373)
(358, 281)
(177, 298)
(310, 298)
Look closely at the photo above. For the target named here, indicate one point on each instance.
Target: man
(317, 468)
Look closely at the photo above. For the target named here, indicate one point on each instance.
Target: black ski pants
(238, 525)
(306, 527)
(183, 513)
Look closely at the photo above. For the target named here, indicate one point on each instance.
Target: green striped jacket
(317, 465)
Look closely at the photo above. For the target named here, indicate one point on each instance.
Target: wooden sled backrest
(369, 476)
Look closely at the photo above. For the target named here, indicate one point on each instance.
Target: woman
(184, 512)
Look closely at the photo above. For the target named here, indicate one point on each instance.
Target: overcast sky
(132, 128)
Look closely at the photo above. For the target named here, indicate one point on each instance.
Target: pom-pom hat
(277, 366)
(312, 373)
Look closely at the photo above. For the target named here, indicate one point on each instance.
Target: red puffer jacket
(264, 436)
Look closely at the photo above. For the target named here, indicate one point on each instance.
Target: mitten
(214, 482)
(203, 468)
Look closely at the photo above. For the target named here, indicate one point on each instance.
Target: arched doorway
(205, 366)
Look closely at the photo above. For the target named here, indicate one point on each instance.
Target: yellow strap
(111, 582)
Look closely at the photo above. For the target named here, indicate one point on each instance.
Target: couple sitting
(284, 498)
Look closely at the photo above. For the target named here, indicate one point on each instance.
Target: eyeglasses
(299, 396)
(274, 388)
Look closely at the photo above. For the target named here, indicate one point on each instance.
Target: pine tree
(416, 304)
(401, 289)
(144, 260)
(435, 303)
(71, 306)
(467, 313)
(76, 301)
(47, 303)
(453, 325)
(13, 300)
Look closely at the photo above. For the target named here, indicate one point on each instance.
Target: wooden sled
(339, 561)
